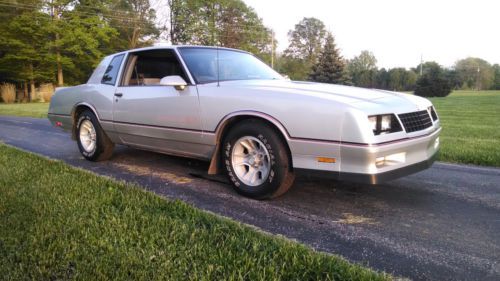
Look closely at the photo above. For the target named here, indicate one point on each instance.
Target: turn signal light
(326, 160)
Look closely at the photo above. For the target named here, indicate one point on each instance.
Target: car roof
(159, 47)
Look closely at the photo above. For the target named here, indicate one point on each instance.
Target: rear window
(111, 73)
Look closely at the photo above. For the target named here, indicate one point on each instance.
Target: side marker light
(326, 160)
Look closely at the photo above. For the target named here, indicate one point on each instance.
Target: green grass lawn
(38, 110)
(471, 127)
(58, 222)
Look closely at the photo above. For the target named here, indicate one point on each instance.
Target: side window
(111, 73)
(147, 68)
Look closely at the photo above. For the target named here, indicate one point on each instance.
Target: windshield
(233, 65)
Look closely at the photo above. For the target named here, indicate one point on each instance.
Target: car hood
(356, 97)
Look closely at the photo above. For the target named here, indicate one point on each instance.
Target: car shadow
(314, 196)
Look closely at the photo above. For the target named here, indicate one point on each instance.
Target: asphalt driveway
(440, 224)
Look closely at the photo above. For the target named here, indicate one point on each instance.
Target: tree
(78, 40)
(330, 65)
(433, 82)
(409, 80)
(63, 40)
(76, 34)
(400, 79)
(363, 69)
(25, 58)
(135, 22)
(227, 23)
(395, 82)
(364, 61)
(306, 40)
(475, 73)
(429, 67)
(496, 80)
(453, 79)
(240, 27)
(292, 67)
(182, 24)
(382, 79)
(428, 86)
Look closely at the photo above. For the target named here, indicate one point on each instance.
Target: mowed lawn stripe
(58, 222)
(471, 127)
(37, 110)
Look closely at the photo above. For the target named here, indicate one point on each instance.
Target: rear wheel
(92, 141)
(256, 160)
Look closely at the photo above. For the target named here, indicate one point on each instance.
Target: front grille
(416, 121)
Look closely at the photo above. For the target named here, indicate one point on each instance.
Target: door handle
(118, 95)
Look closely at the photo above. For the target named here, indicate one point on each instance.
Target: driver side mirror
(174, 80)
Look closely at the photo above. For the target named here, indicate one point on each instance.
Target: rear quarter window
(111, 72)
(96, 76)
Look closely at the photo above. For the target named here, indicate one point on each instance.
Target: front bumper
(371, 178)
(388, 175)
(374, 164)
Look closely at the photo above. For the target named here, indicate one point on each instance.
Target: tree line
(61, 41)
(312, 55)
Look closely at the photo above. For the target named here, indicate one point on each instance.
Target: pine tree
(330, 65)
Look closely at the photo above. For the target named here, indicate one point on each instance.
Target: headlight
(383, 124)
(373, 122)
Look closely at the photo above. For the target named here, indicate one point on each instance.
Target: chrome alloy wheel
(251, 161)
(88, 138)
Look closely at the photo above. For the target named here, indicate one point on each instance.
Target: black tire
(103, 148)
(280, 177)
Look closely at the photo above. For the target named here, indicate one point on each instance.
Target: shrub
(432, 87)
(45, 92)
(8, 92)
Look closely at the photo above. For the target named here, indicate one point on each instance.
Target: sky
(397, 32)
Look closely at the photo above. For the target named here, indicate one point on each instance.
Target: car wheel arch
(76, 111)
(232, 120)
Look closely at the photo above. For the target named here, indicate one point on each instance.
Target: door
(156, 117)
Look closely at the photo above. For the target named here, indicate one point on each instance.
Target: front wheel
(92, 141)
(257, 161)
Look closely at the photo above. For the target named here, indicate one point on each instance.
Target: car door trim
(154, 126)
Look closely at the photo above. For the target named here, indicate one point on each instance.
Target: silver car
(228, 107)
